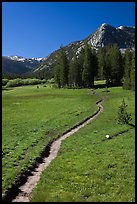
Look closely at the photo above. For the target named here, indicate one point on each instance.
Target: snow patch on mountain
(16, 58)
(120, 27)
(22, 59)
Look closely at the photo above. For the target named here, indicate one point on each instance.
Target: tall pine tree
(88, 68)
(107, 65)
(62, 69)
(101, 63)
(127, 69)
(116, 65)
(132, 73)
(111, 60)
(75, 73)
(57, 75)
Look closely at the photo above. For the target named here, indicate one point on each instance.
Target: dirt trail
(26, 189)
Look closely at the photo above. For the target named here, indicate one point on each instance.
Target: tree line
(84, 68)
(108, 63)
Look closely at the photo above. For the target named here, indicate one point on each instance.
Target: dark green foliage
(116, 65)
(101, 63)
(123, 116)
(62, 69)
(89, 66)
(110, 64)
(75, 79)
(81, 70)
(57, 75)
(127, 69)
(86, 74)
(4, 82)
(107, 67)
(132, 73)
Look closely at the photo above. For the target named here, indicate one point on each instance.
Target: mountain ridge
(123, 36)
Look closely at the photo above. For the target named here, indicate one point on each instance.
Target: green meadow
(31, 117)
(88, 167)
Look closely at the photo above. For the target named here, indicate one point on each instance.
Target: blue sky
(35, 29)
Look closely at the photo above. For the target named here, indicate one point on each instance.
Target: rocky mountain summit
(106, 34)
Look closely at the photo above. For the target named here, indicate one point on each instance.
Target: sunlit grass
(32, 117)
(90, 167)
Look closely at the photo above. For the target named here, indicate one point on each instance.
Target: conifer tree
(101, 63)
(81, 57)
(88, 68)
(127, 69)
(123, 116)
(62, 69)
(57, 75)
(107, 65)
(112, 65)
(75, 73)
(132, 73)
(116, 65)
(94, 64)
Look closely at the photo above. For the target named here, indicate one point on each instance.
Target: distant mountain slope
(19, 65)
(106, 34)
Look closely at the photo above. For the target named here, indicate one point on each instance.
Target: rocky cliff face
(123, 36)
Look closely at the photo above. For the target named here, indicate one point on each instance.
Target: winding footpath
(32, 180)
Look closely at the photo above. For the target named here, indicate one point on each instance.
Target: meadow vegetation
(32, 117)
(91, 168)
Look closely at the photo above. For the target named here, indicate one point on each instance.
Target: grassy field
(89, 168)
(31, 117)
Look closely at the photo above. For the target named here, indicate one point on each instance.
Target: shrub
(4, 82)
(14, 82)
(20, 82)
(26, 81)
(123, 116)
(34, 81)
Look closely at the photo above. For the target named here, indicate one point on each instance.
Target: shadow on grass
(132, 125)
(7, 89)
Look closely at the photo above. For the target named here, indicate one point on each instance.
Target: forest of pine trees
(108, 63)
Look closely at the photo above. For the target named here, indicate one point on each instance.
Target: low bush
(4, 82)
(14, 82)
(20, 82)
